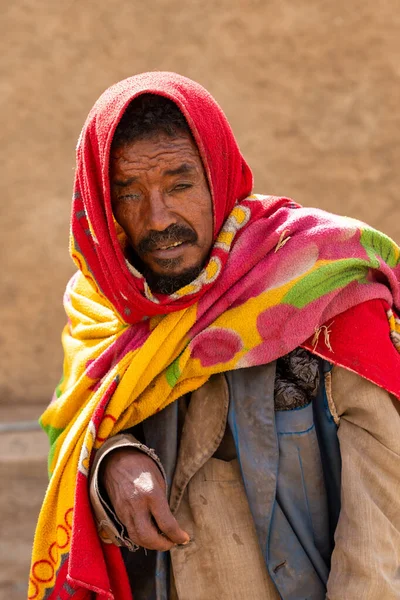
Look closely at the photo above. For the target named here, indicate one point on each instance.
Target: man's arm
(366, 558)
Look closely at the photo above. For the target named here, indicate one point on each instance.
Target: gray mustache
(171, 235)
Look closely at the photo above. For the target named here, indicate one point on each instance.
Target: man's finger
(144, 532)
(167, 523)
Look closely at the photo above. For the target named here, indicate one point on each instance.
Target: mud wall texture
(311, 88)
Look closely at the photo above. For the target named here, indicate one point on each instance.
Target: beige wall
(311, 87)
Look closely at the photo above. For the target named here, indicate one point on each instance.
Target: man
(230, 378)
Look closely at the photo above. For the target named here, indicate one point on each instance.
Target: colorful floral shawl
(277, 274)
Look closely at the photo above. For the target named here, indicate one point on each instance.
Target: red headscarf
(93, 228)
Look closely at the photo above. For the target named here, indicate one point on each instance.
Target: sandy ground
(311, 88)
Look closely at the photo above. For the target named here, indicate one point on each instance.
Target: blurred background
(311, 88)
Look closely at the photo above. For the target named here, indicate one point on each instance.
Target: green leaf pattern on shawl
(325, 279)
(173, 372)
(376, 244)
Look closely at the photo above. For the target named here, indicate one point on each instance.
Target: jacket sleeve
(366, 558)
(109, 527)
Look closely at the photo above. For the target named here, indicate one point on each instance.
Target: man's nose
(159, 214)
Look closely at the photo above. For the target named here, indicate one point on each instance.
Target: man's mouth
(168, 240)
(168, 250)
(169, 246)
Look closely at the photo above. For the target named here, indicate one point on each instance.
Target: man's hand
(136, 489)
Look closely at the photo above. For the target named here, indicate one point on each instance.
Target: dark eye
(127, 197)
(181, 186)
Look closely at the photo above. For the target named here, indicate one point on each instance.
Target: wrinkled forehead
(158, 159)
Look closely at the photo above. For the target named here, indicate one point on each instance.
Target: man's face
(161, 199)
